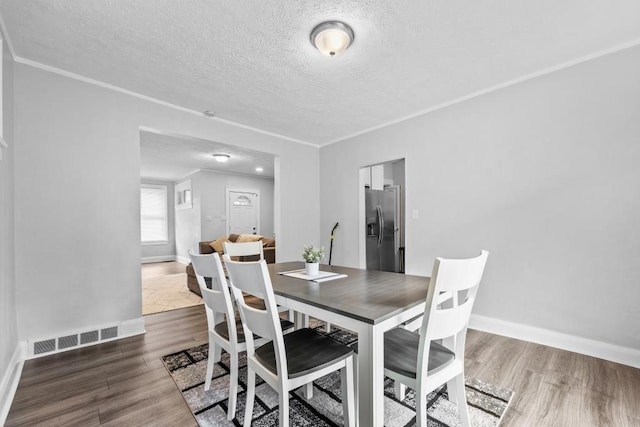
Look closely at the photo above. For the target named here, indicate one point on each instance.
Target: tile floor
(164, 287)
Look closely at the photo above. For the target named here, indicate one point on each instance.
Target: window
(153, 214)
(183, 195)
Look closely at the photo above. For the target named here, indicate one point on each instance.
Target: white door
(243, 212)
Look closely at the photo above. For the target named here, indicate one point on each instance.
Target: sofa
(209, 247)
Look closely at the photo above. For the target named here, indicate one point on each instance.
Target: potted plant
(312, 257)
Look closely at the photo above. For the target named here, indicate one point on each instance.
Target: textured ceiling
(170, 158)
(251, 61)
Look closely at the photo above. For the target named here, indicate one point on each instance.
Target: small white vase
(312, 268)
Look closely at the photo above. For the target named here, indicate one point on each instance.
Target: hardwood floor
(154, 269)
(555, 387)
(124, 383)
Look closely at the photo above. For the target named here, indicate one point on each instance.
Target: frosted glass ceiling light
(221, 157)
(332, 38)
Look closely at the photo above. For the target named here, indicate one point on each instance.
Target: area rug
(487, 403)
(167, 292)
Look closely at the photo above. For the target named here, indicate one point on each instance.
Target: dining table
(367, 302)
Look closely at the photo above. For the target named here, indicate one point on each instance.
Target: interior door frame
(228, 191)
(365, 179)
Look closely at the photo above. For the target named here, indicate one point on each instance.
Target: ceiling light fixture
(332, 38)
(221, 157)
(259, 169)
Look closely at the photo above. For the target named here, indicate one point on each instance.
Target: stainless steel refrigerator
(381, 210)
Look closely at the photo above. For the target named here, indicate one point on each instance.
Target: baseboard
(162, 258)
(10, 380)
(183, 260)
(614, 353)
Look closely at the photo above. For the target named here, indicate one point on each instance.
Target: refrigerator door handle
(380, 225)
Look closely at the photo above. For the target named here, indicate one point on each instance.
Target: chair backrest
(450, 319)
(217, 300)
(244, 249)
(253, 278)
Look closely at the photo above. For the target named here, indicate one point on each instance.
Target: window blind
(153, 214)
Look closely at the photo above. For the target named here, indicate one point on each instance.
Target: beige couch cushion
(268, 243)
(218, 244)
(248, 238)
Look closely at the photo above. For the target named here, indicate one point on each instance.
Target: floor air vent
(88, 337)
(44, 346)
(68, 341)
(107, 333)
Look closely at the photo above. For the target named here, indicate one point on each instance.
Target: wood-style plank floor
(123, 383)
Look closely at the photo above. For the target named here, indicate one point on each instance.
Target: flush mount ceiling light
(259, 169)
(221, 157)
(332, 38)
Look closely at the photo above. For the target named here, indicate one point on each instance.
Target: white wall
(544, 174)
(77, 181)
(189, 221)
(8, 318)
(165, 250)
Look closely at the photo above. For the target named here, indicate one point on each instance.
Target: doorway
(196, 202)
(243, 211)
(382, 216)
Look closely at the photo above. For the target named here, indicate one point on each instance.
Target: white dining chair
(287, 361)
(248, 249)
(225, 329)
(434, 356)
(244, 249)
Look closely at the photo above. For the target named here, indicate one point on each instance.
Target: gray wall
(8, 324)
(543, 174)
(75, 136)
(168, 249)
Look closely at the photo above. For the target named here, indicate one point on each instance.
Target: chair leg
(452, 391)
(355, 386)
(284, 407)
(462, 400)
(399, 389)
(348, 396)
(327, 327)
(307, 391)
(251, 394)
(216, 351)
(302, 320)
(210, 361)
(233, 385)
(421, 407)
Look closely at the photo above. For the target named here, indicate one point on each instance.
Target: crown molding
(5, 36)
(74, 76)
(494, 88)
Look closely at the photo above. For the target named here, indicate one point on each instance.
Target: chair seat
(223, 330)
(254, 302)
(401, 353)
(307, 351)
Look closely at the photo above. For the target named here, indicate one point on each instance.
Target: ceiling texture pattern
(251, 62)
(171, 158)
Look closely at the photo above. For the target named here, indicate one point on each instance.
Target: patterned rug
(167, 292)
(487, 403)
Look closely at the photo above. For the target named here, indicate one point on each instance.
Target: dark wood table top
(367, 295)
